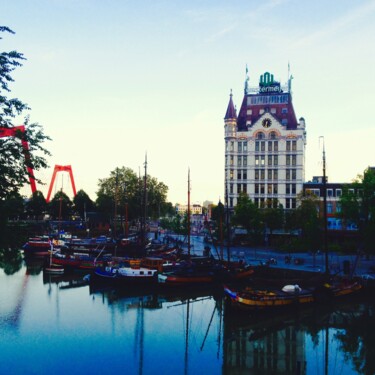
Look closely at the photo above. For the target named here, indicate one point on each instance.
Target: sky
(110, 81)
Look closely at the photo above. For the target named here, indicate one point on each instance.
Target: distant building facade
(264, 146)
(195, 209)
(333, 193)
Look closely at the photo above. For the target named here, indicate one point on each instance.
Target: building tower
(264, 146)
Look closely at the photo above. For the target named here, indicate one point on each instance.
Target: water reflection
(171, 332)
(318, 340)
(10, 260)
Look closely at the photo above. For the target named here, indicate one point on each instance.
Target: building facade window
(293, 202)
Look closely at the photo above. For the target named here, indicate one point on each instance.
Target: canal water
(62, 325)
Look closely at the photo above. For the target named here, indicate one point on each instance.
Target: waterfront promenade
(338, 263)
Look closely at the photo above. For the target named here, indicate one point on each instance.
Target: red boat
(37, 246)
(80, 261)
(186, 277)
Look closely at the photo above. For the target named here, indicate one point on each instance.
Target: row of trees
(122, 190)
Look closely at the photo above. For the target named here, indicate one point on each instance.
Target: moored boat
(37, 246)
(51, 267)
(126, 275)
(290, 295)
(80, 261)
(187, 277)
(54, 269)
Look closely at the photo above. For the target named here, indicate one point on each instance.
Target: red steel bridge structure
(61, 168)
(15, 132)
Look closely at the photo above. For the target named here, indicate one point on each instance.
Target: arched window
(273, 135)
(260, 135)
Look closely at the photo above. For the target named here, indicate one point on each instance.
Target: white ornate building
(264, 146)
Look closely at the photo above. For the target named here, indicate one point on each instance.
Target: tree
(36, 206)
(60, 207)
(14, 206)
(349, 207)
(358, 207)
(246, 214)
(13, 163)
(309, 222)
(272, 217)
(82, 203)
(125, 188)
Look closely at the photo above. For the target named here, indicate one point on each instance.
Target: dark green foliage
(36, 206)
(13, 172)
(125, 189)
(60, 207)
(82, 204)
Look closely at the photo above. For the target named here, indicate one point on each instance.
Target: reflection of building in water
(262, 351)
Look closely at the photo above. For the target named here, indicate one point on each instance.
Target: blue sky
(112, 80)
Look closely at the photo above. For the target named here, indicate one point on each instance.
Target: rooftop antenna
(290, 77)
(246, 90)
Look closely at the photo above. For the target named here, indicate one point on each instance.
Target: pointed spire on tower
(231, 110)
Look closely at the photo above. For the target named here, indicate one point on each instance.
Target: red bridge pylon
(12, 132)
(61, 168)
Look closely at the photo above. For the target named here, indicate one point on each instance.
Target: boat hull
(125, 275)
(54, 269)
(186, 279)
(249, 299)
